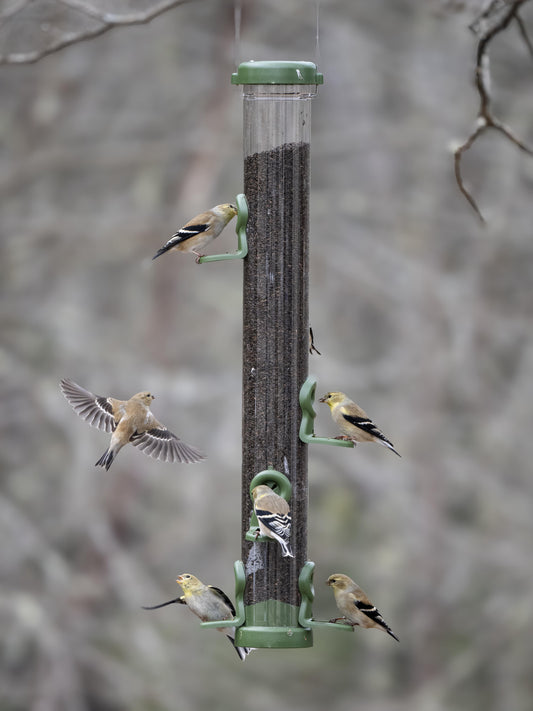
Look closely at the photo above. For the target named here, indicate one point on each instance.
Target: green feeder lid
(272, 72)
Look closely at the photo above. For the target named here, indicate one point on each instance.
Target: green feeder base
(284, 636)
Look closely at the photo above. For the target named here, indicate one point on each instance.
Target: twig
(508, 11)
(107, 22)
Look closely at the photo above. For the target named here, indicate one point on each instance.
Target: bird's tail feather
(106, 459)
(388, 444)
(243, 652)
(286, 550)
(161, 251)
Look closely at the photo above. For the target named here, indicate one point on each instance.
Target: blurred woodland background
(422, 315)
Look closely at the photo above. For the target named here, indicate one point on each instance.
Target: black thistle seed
(276, 336)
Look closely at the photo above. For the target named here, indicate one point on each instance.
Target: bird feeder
(277, 129)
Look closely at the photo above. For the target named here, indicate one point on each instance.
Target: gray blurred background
(421, 315)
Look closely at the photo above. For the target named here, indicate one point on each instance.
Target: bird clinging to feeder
(199, 231)
(353, 421)
(355, 606)
(208, 603)
(274, 517)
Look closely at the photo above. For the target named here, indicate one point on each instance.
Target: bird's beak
(328, 582)
(322, 399)
(179, 579)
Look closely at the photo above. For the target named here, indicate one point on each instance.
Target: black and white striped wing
(374, 614)
(162, 444)
(186, 233)
(366, 424)
(278, 523)
(96, 410)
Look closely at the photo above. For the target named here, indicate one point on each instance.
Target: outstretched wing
(162, 444)
(179, 600)
(96, 410)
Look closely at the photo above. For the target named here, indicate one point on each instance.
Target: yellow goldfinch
(129, 421)
(353, 421)
(208, 603)
(199, 231)
(355, 605)
(273, 517)
(312, 347)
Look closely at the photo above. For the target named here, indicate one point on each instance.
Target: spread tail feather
(106, 459)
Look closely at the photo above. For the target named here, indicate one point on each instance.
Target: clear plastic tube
(277, 132)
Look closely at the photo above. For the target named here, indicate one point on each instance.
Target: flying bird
(273, 517)
(199, 231)
(353, 421)
(129, 421)
(208, 603)
(355, 606)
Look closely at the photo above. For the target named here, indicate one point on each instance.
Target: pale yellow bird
(129, 421)
(274, 517)
(199, 231)
(355, 605)
(353, 421)
(208, 603)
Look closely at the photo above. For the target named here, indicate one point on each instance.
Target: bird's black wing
(280, 524)
(372, 611)
(186, 233)
(178, 600)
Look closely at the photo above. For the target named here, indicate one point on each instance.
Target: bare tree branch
(106, 21)
(487, 27)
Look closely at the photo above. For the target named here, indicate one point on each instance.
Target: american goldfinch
(355, 605)
(353, 421)
(129, 421)
(208, 603)
(199, 231)
(273, 517)
(312, 347)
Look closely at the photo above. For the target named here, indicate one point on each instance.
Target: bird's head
(333, 399)
(261, 490)
(226, 210)
(188, 582)
(338, 581)
(145, 397)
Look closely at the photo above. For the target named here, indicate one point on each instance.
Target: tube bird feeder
(277, 129)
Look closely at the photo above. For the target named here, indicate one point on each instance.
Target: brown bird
(199, 231)
(355, 605)
(129, 421)
(353, 421)
(208, 603)
(274, 517)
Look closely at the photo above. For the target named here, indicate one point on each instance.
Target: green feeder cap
(277, 73)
